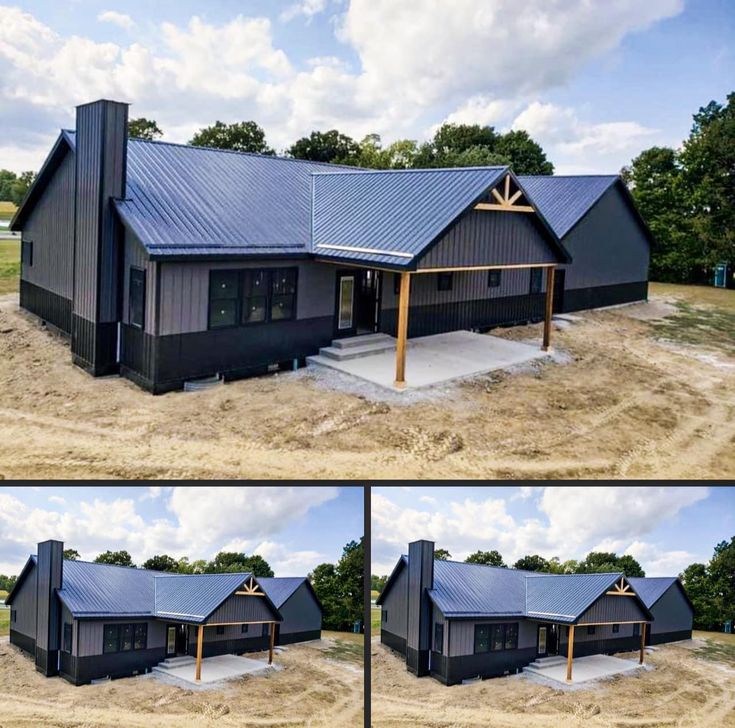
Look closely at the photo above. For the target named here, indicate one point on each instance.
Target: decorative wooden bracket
(250, 589)
(621, 589)
(505, 202)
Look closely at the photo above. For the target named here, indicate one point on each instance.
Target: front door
(176, 640)
(542, 646)
(559, 276)
(357, 305)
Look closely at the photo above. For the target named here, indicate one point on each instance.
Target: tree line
(711, 586)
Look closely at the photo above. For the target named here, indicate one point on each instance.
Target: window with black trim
(220, 629)
(536, 280)
(616, 628)
(511, 636)
(636, 630)
(438, 637)
(396, 284)
(224, 295)
(482, 638)
(493, 278)
(124, 637)
(266, 628)
(26, 252)
(244, 628)
(496, 637)
(13, 615)
(66, 643)
(283, 294)
(111, 638)
(590, 630)
(136, 298)
(444, 282)
(141, 636)
(384, 615)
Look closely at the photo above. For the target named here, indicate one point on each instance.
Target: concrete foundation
(437, 359)
(215, 669)
(584, 669)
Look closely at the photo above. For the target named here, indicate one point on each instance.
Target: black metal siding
(300, 613)
(48, 608)
(672, 613)
(242, 609)
(420, 579)
(91, 635)
(613, 609)
(24, 606)
(395, 603)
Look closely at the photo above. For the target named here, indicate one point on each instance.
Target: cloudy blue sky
(594, 81)
(665, 527)
(293, 528)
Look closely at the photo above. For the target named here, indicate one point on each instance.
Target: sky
(665, 528)
(595, 82)
(293, 527)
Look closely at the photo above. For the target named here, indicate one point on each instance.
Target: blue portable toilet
(728, 626)
(721, 274)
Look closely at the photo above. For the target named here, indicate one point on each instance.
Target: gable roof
(281, 588)
(92, 590)
(652, 588)
(465, 591)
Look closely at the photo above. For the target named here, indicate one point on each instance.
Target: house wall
(242, 609)
(613, 609)
(673, 617)
(603, 641)
(231, 641)
(395, 604)
(23, 629)
(302, 618)
(46, 286)
(608, 248)
(463, 635)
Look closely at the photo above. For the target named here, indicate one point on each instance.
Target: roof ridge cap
(365, 170)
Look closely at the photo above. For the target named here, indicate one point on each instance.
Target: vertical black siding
(420, 579)
(48, 611)
(672, 613)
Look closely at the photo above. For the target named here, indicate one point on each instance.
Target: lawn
(375, 621)
(7, 210)
(4, 621)
(9, 265)
(720, 646)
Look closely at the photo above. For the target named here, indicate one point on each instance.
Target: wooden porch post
(570, 652)
(643, 642)
(272, 640)
(200, 640)
(549, 306)
(402, 331)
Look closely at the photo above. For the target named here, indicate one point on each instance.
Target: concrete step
(174, 662)
(356, 352)
(542, 662)
(362, 340)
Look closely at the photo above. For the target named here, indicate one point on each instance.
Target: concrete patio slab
(437, 359)
(584, 669)
(222, 667)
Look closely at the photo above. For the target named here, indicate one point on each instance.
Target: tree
(243, 136)
(698, 585)
(7, 582)
(326, 586)
(328, 146)
(489, 558)
(71, 555)
(532, 563)
(143, 128)
(14, 187)
(377, 583)
(184, 566)
(597, 562)
(161, 562)
(722, 578)
(233, 562)
(258, 566)
(119, 558)
(524, 155)
(442, 555)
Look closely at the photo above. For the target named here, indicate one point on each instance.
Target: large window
(136, 298)
(496, 637)
(124, 637)
(616, 628)
(266, 629)
(444, 282)
(244, 628)
(26, 252)
(66, 646)
(493, 278)
(438, 637)
(251, 296)
(536, 279)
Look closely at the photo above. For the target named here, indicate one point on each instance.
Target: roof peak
(416, 170)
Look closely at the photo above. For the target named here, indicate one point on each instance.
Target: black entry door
(542, 640)
(176, 640)
(559, 276)
(357, 305)
(552, 639)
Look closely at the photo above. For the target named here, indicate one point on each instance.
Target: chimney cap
(103, 101)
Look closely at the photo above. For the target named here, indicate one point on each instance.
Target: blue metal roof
(651, 588)
(392, 215)
(279, 589)
(564, 201)
(564, 597)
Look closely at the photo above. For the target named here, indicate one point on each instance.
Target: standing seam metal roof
(280, 589)
(651, 589)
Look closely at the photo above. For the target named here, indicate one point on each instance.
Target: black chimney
(420, 580)
(50, 567)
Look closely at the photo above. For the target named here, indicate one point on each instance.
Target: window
(438, 637)
(26, 252)
(124, 637)
(498, 639)
(384, 615)
(251, 296)
(141, 636)
(511, 636)
(444, 282)
(111, 638)
(67, 638)
(482, 638)
(136, 298)
(590, 630)
(636, 630)
(616, 628)
(536, 278)
(13, 615)
(224, 292)
(265, 629)
(244, 628)
(493, 278)
(220, 629)
(396, 284)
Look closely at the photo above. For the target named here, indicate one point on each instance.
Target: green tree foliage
(243, 136)
(119, 558)
(7, 582)
(232, 562)
(161, 562)
(598, 562)
(339, 587)
(722, 575)
(532, 563)
(71, 555)
(13, 187)
(686, 197)
(326, 146)
(184, 566)
(442, 555)
(377, 583)
(143, 128)
(524, 155)
(489, 558)
(698, 585)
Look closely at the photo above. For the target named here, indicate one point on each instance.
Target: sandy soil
(313, 689)
(683, 691)
(627, 404)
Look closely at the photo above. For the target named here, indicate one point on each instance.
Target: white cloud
(60, 500)
(120, 19)
(307, 8)
(286, 562)
(151, 493)
(659, 562)
(428, 499)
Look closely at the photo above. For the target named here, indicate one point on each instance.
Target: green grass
(720, 647)
(7, 210)
(699, 326)
(348, 647)
(9, 266)
(4, 622)
(375, 621)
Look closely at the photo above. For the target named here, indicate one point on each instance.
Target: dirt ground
(647, 391)
(683, 691)
(320, 686)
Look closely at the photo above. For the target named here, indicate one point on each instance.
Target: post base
(399, 385)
